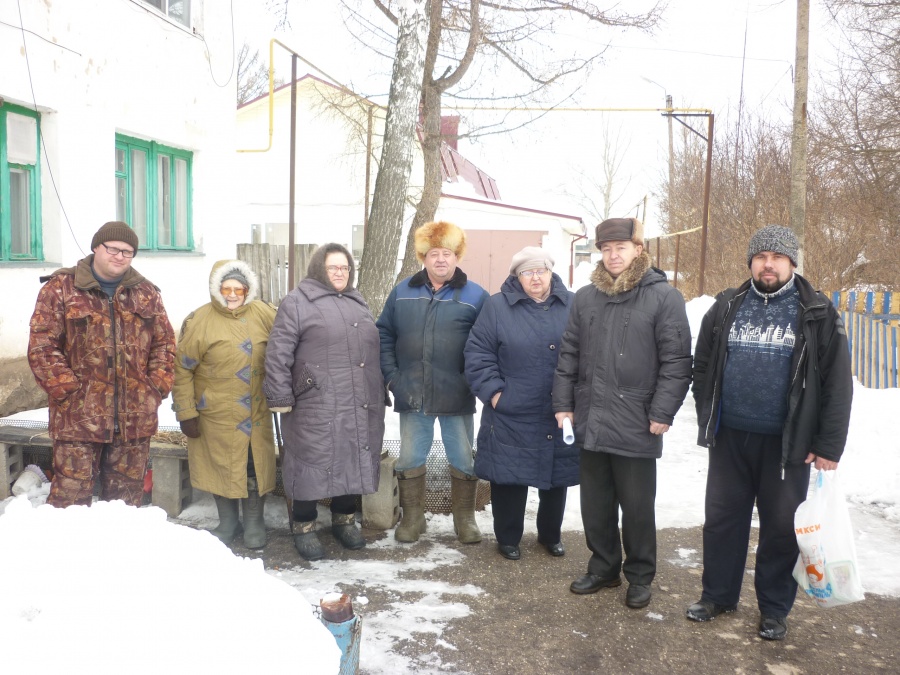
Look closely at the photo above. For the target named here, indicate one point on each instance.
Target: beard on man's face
(770, 286)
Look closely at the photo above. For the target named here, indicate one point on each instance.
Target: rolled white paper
(568, 434)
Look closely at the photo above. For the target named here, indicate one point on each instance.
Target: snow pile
(115, 589)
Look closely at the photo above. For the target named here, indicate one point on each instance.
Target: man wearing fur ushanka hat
(424, 326)
(623, 371)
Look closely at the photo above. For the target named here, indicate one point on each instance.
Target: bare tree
(599, 188)
(503, 47)
(252, 76)
(856, 132)
(392, 183)
(506, 45)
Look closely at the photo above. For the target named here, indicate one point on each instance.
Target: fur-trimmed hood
(223, 267)
(316, 268)
(629, 279)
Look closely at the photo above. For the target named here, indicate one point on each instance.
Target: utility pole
(671, 157)
(799, 133)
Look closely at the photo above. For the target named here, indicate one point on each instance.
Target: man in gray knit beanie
(773, 389)
(775, 238)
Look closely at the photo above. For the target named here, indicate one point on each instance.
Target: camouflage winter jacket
(105, 362)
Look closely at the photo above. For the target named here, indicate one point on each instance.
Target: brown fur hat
(619, 229)
(440, 234)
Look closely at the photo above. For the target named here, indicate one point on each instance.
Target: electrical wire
(41, 37)
(233, 53)
(41, 134)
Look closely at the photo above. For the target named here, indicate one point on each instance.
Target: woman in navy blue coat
(510, 360)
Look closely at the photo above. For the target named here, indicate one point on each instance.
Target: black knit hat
(115, 230)
(775, 238)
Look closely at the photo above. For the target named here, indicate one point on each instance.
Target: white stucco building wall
(94, 70)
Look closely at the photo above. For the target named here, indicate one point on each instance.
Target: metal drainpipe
(572, 258)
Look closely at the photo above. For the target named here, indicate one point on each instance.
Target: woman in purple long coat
(323, 376)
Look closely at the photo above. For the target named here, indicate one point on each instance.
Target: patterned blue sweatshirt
(758, 366)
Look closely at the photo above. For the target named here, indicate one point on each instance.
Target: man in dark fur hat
(424, 327)
(624, 369)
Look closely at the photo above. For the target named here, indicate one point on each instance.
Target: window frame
(35, 247)
(164, 10)
(153, 151)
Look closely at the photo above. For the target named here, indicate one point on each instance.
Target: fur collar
(629, 279)
(420, 278)
(223, 267)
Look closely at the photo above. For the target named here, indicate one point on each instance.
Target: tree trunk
(431, 190)
(382, 237)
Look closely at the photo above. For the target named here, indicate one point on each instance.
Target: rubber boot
(411, 484)
(344, 529)
(254, 524)
(306, 541)
(229, 525)
(462, 503)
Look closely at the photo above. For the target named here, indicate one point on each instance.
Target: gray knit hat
(530, 258)
(237, 276)
(775, 238)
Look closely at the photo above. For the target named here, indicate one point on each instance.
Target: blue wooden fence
(873, 323)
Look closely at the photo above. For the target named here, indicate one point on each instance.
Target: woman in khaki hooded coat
(218, 400)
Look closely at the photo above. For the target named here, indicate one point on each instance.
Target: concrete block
(381, 510)
(172, 490)
(11, 465)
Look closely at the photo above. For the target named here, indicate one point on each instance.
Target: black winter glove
(191, 427)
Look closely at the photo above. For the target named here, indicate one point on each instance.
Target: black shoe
(638, 596)
(556, 550)
(772, 627)
(704, 610)
(591, 583)
(509, 552)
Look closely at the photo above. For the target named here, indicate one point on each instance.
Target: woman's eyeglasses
(240, 292)
(334, 269)
(529, 273)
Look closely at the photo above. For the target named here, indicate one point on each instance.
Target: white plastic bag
(826, 568)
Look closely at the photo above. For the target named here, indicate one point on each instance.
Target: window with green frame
(20, 184)
(153, 193)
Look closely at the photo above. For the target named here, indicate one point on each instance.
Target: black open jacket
(821, 385)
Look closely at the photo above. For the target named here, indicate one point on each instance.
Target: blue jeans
(417, 434)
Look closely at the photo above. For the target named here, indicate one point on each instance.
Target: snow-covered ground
(129, 567)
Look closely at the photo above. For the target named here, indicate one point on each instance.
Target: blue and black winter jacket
(423, 334)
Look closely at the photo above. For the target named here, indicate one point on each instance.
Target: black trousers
(305, 511)
(508, 504)
(745, 468)
(609, 482)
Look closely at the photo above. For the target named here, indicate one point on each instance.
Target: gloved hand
(191, 427)
(285, 409)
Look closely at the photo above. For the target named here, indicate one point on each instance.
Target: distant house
(338, 144)
(109, 110)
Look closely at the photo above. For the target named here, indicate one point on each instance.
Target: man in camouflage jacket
(103, 349)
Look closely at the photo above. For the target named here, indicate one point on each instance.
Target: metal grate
(437, 479)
